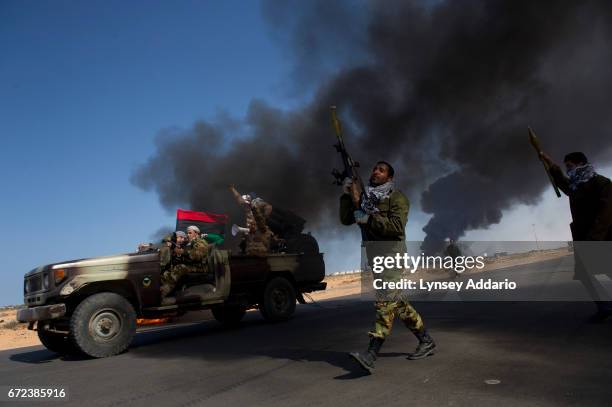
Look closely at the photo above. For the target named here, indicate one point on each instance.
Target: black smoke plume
(443, 90)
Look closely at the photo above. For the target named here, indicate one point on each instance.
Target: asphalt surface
(533, 353)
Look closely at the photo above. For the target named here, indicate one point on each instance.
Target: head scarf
(374, 194)
(580, 174)
(194, 228)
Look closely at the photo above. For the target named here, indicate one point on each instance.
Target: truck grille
(33, 284)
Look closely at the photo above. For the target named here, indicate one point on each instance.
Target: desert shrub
(14, 324)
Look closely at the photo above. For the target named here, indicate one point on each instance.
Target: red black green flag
(209, 223)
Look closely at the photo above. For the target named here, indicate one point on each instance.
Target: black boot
(366, 360)
(425, 347)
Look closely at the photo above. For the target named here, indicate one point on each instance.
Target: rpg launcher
(533, 139)
(350, 165)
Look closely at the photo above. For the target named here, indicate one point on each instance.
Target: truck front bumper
(41, 313)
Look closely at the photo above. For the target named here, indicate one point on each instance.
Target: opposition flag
(213, 224)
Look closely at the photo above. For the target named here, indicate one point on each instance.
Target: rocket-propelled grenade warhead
(533, 139)
(350, 166)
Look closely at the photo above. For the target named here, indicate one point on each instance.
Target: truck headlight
(26, 286)
(59, 275)
(45, 281)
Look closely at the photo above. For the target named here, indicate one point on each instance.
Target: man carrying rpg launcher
(381, 211)
(590, 198)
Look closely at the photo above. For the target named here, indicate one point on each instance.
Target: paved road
(541, 353)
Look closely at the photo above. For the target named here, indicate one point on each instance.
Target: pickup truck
(91, 306)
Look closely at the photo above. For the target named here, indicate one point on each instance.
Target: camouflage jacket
(196, 252)
(387, 225)
(258, 243)
(166, 252)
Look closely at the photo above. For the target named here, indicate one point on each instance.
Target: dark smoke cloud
(160, 233)
(443, 90)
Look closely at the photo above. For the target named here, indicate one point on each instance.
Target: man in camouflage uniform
(193, 258)
(171, 249)
(245, 203)
(382, 217)
(259, 238)
(170, 241)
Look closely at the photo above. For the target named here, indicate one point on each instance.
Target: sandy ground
(14, 335)
(17, 336)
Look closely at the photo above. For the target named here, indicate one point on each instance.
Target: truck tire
(103, 325)
(278, 302)
(228, 315)
(54, 341)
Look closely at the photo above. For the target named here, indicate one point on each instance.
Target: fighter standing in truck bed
(259, 238)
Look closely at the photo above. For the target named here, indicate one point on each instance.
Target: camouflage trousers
(170, 278)
(165, 257)
(257, 250)
(386, 311)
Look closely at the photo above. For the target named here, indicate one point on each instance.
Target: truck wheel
(103, 325)
(229, 315)
(55, 342)
(278, 301)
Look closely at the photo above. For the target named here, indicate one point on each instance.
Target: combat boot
(366, 360)
(425, 347)
(168, 301)
(164, 291)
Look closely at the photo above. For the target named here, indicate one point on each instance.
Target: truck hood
(99, 261)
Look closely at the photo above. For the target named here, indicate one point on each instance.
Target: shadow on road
(326, 335)
(335, 358)
(43, 356)
(254, 337)
(530, 332)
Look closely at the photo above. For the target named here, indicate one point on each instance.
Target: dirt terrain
(16, 335)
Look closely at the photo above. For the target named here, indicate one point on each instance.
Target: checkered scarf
(373, 195)
(581, 174)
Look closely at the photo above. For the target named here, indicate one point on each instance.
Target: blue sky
(85, 88)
